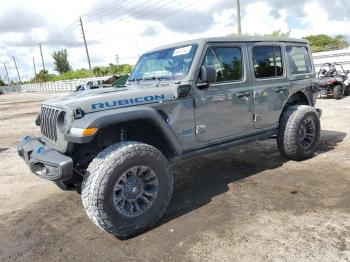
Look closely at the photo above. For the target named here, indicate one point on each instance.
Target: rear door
(224, 109)
(269, 81)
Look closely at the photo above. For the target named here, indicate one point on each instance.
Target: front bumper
(44, 161)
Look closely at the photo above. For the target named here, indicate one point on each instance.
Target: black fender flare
(105, 118)
(307, 92)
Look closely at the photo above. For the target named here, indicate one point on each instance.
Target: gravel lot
(245, 204)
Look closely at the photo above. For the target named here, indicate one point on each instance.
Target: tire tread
(95, 181)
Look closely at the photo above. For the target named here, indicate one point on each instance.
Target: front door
(225, 108)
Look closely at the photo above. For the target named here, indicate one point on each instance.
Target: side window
(227, 62)
(299, 60)
(267, 61)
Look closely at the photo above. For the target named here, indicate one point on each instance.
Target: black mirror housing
(208, 74)
(183, 91)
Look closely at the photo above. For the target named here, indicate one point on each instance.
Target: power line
(156, 19)
(67, 33)
(141, 15)
(68, 29)
(109, 9)
(132, 11)
(102, 9)
(68, 38)
(137, 10)
(64, 38)
(175, 12)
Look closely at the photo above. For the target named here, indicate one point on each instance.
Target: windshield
(170, 64)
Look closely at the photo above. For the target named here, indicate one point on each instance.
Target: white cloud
(317, 21)
(257, 19)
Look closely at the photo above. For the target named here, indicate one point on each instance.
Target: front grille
(48, 123)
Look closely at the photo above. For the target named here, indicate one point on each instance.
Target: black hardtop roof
(234, 39)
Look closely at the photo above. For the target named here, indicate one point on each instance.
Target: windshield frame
(186, 77)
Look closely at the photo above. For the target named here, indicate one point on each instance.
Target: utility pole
(34, 67)
(238, 11)
(7, 74)
(14, 60)
(86, 48)
(117, 59)
(42, 57)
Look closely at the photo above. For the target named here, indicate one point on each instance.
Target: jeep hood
(112, 98)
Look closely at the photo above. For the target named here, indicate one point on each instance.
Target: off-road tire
(338, 92)
(102, 175)
(288, 137)
(347, 90)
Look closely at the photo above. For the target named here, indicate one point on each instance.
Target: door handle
(280, 89)
(243, 94)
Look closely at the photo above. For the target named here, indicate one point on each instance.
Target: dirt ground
(245, 204)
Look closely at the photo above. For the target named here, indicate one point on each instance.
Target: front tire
(299, 132)
(127, 188)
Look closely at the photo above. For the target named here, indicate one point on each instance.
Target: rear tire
(338, 92)
(127, 188)
(299, 132)
(347, 90)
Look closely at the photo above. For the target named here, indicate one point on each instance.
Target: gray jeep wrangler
(117, 145)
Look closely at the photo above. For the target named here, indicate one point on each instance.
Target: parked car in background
(2, 92)
(333, 80)
(116, 81)
(93, 84)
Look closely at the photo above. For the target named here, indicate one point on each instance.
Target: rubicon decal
(128, 102)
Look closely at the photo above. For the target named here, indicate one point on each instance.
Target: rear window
(299, 60)
(267, 61)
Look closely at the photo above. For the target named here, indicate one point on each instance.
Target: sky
(128, 28)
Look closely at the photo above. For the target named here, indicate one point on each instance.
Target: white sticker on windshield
(182, 51)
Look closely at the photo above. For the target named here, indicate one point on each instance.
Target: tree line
(65, 71)
(320, 43)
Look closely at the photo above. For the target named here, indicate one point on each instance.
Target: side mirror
(183, 91)
(347, 71)
(207, 75)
